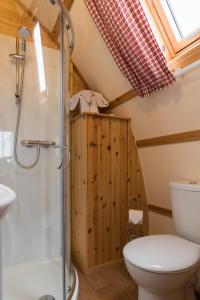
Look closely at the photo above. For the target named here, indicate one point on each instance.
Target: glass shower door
(32, 229)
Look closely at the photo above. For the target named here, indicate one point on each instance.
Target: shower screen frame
(67, 269)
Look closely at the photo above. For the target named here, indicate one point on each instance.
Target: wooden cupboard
(100, 188)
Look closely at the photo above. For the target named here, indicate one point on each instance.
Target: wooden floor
(107, 283)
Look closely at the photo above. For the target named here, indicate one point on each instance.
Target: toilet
(165, 266)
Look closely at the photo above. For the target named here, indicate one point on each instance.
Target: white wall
(175, 109)
(31, 229)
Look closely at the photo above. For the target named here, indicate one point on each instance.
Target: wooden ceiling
(17, 13)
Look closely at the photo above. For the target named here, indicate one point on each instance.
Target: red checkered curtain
(127, 33)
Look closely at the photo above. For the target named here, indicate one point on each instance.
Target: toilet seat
(162, 253)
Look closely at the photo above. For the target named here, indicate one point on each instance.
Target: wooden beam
(183, 137)
(160, 210)
(54, 43)
(121, 99)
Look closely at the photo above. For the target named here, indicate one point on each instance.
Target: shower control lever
(35, 143)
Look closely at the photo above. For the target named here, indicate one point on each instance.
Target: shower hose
(19, 104)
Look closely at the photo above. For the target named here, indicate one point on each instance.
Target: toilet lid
(162, 253)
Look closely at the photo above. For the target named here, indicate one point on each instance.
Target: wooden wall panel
(115, 161)
(92, 190)
(105, 188)
(106, 197)
(79, 192)
(123, 181)
(107, 192)
(112, 178)
(77, 82)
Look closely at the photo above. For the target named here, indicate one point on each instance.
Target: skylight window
(183, 16)
(177, 24)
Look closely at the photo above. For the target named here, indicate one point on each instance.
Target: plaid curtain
(127, 33)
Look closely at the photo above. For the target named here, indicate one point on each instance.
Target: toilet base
(178, 295)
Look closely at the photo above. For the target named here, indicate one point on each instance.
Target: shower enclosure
(36, 39)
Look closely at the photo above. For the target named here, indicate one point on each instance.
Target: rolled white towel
(135, 216)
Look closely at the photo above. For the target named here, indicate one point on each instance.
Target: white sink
(7, 196)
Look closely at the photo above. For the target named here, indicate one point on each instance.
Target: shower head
(24, 33)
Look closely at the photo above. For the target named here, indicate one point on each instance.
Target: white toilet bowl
(162, 266)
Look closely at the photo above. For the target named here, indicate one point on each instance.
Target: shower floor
(30, 281)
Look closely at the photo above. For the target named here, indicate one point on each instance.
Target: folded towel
(89, 101)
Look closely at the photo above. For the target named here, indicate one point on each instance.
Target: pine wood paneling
(79, 191)
(76, 84)
(102, 183)
(79, 83)
(104, 221)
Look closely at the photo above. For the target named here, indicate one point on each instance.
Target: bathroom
(99, 164)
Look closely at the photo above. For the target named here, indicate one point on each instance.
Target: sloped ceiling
(92, 57)
(43, 11)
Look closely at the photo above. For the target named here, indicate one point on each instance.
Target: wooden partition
(106, 178)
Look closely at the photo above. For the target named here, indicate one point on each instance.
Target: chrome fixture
(20, 57)
(34, 143)
(17, 56)
(24, 34)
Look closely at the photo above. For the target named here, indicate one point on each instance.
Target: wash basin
(7, 196)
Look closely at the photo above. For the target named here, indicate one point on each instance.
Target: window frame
(179, 54)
